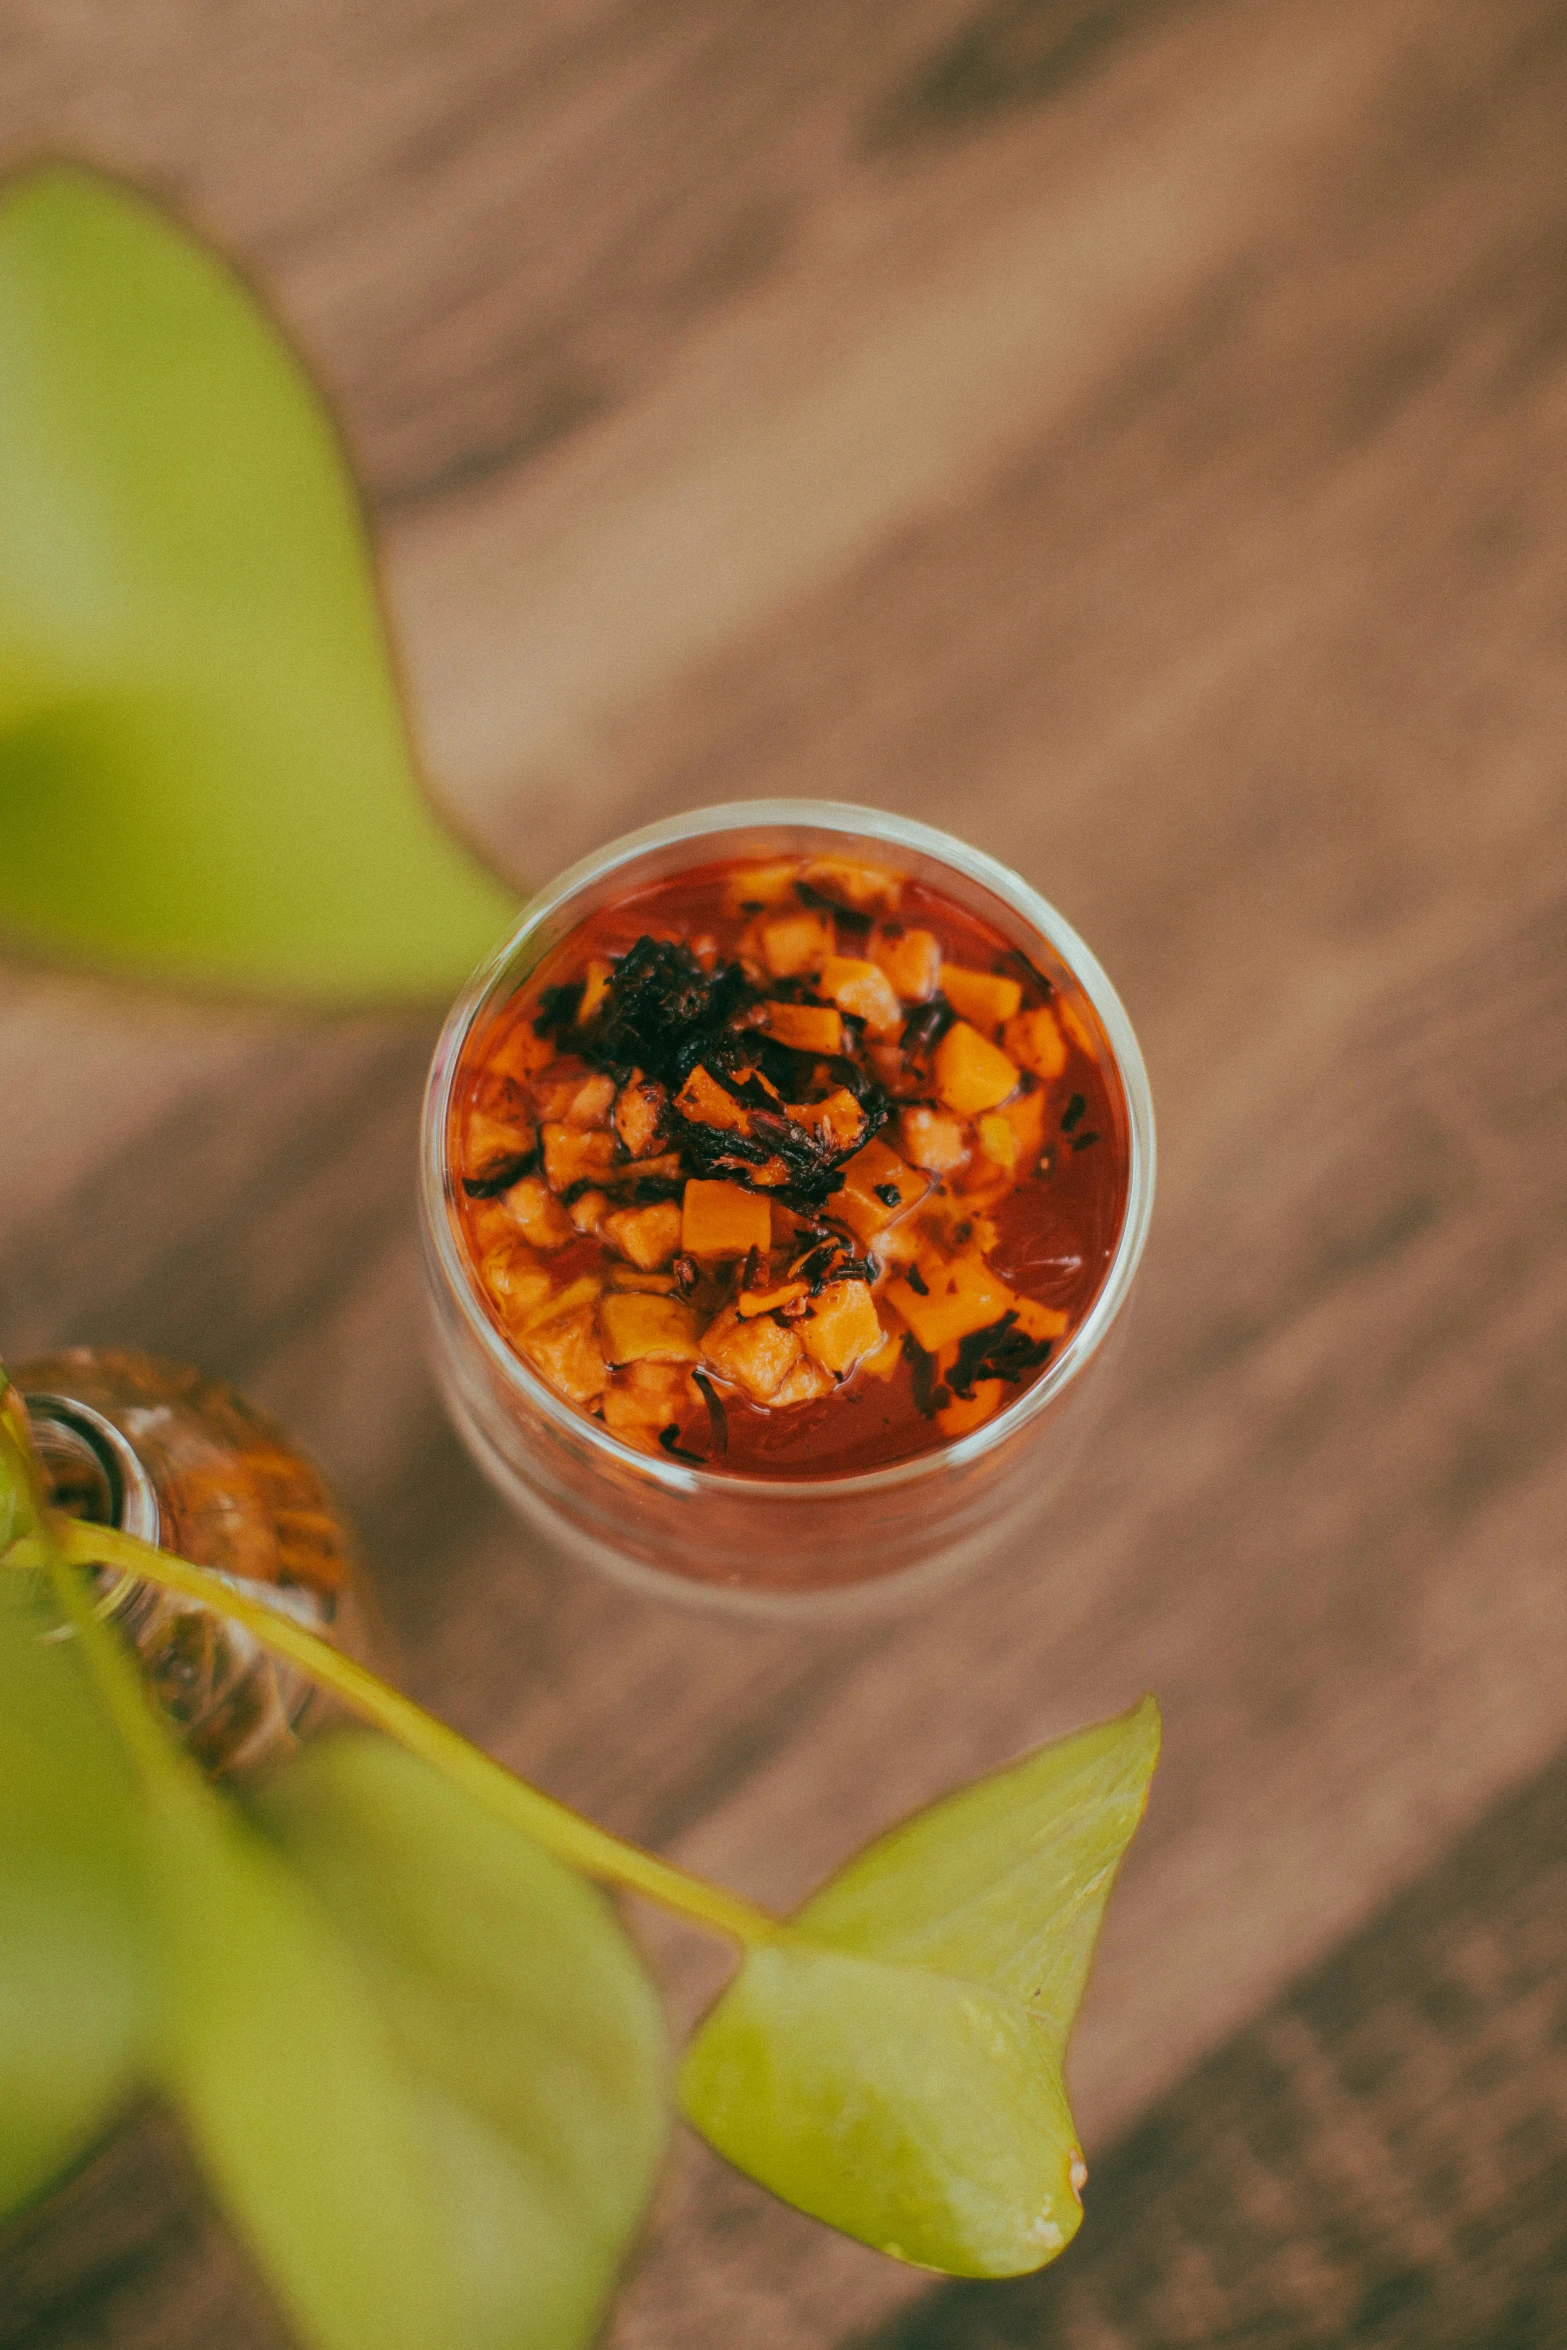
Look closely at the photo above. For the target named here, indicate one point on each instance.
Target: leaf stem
(580, 1842)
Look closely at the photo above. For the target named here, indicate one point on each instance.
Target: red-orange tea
(791, 1170)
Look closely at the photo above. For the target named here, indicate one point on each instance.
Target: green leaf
(73, 1962)
(204, 772)
(893, 2064)
(517, 2005)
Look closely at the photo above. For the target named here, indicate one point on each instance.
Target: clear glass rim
(832, 817)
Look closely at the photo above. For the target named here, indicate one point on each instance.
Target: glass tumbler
(760, 1543)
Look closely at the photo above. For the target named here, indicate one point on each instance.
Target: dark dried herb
(751, 1277)
(1080, 1142)
(715, 1411)
(924, 1029)
(917, 1281)
(556, 1016)
(1030, 977)
(1073, 1112)
(647, 1190)
(922, 1373)
(851, 917)
(1001, 1351)
(669, 1438)
(664, 1013)
(888, 1193)
(686, 1274)
(512, 1171)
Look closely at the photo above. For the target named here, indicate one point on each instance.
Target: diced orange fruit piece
(515, 1280)
(644, 1398)
(809, 1028)
(519, 1053)
(756, 1356)
(1013, 1136)
(639, 1114)
(537, 1214)
(972, 1074)
(707, 1103)
(841, 1327)
(564, 1349)
(864, 888)
(570, 1157)
(961, 1294)
(1040, 1321)
(761, 885)
(648, 1329)
(647, 1236)
(587, 1210)
(911, 960)
(1035, 1042)
(884, 1360)
(489, 1142)
(871, 1172)
(931, 1139)
(723, 1220)
(971, 1411)
(984, 997)
(808, 1382)
(863, 989)
(840, 1118)
(795, 944)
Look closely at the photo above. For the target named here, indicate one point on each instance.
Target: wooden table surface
(1132, 435)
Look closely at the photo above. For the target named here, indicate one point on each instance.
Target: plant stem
(580, 1842)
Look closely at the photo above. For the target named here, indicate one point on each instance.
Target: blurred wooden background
(1133, 434)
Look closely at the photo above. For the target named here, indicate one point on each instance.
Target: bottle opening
(94, 1473)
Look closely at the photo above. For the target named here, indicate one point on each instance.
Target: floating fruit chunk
(809, 1028)
(972, 1074)
(877, 1185)
(723, 1220)
(985, 998)
(944, 1299)
(841, 1327)
(1035, 1042)
(911, 960)
(648, 1329)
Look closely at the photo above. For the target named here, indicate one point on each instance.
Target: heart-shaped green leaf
(516, 2003)
(204, 772)
(893, 2063)
(73, 1969)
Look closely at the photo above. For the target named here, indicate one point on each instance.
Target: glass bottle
(178, 1459)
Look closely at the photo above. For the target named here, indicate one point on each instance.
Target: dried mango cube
(515, 1280)
(841, 1327)
(490, 1144)
(723, 1220)
(648, 1236)
(756, 1357)
(641, 1108)
(645, 1398)
(565, 1350)
(864, 990)
(840, 1118)
(932, 1139)
(944, 1299)
(877, 1185)
(1035, 1042)
(972, 1074)
(809, 1028)
(864, 889)
(757, 886)
(983, 997)
(808, 1382)
(648, 1329)
(794, 945)
(595, 988)
(911, 960)
(570, 1157)
(537, 1213)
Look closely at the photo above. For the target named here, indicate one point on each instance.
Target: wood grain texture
(1134, 436)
